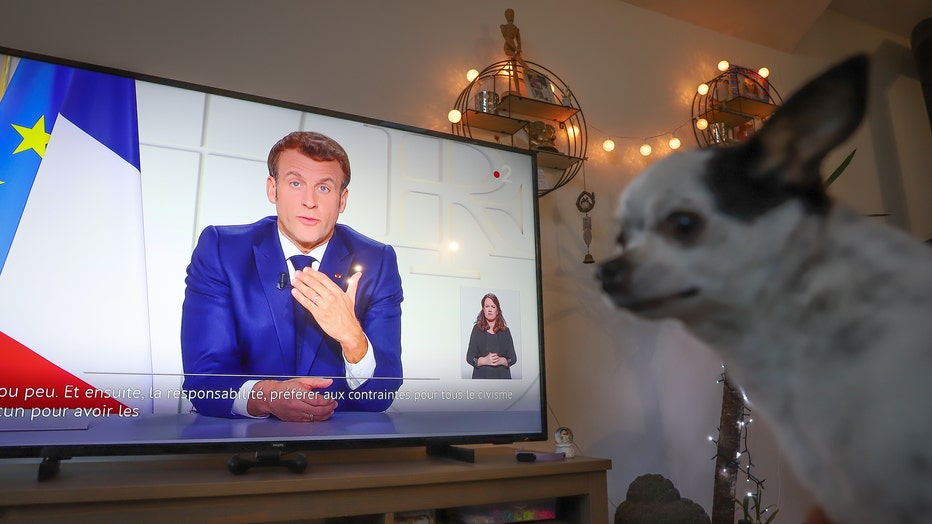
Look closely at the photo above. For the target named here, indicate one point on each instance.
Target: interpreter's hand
(498, 360)
(333, 309)
(492, 359)
(293, 400)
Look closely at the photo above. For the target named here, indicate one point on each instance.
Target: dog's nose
(613, 274)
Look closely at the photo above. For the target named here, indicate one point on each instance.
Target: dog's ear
(818, 117)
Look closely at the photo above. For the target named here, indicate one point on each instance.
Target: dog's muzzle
(615, 277)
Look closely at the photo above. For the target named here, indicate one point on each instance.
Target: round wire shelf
(737, 103)
(523, 104)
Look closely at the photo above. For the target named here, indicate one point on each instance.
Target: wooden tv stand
(374, 484)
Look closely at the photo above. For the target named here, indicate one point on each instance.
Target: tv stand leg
(451, 452)
(239, 465)
(49, 467)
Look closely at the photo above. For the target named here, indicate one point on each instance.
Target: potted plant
(753, 512)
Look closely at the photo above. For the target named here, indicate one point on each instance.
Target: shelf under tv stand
(372, 484)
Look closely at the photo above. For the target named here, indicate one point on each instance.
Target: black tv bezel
(292, 446)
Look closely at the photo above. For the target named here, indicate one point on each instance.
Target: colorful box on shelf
(426, 516)
(747, 83)
(504, 513)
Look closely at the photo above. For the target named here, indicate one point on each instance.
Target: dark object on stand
(653, 499)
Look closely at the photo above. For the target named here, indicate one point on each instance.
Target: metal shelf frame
(727, 108)
(515, 111)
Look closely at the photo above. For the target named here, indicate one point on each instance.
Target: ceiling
(781, 24)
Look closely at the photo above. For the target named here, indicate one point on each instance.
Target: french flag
(73, 298)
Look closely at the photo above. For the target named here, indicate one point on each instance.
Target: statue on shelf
(512, 36)
(563, 437)
(542, 136)
(567, 99)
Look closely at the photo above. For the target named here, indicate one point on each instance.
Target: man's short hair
(314, 145)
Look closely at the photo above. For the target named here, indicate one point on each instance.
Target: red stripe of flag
(28, 380)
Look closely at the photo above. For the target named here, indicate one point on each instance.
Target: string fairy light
(647, 145)
(753, 499)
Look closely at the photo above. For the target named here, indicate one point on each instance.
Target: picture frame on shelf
(537, 86)
(747, 83)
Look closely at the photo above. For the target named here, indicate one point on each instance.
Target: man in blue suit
(256, 343)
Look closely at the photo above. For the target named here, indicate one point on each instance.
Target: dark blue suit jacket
(236, 324)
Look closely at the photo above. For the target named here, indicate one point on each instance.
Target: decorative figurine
(512, 35)
(567, 100)
(542, 136)
(512, 38)
(563, 436)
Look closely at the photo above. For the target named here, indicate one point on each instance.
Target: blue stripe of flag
(37, 89)
(104, 106)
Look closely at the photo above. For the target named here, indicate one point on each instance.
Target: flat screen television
(107, 179)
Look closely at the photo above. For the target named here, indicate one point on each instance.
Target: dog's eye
(683, 226)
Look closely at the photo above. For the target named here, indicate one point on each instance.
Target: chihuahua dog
(823, 317)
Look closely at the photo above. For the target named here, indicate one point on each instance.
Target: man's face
(307, 198)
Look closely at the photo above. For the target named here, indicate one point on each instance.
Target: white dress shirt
(356, 374)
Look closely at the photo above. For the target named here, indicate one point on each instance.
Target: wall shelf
(553, 160)
(738, 101)
(517, 104)
(510, 118)
(493, 122)
(747, 106)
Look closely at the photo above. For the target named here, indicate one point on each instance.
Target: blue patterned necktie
(302, 318)
(301, 261)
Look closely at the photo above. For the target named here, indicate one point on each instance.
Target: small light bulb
(702, 123)
(645, 150)
(703, 89)
(723, 65)
(675, 143)
(572, 131)
(454, 246)
(763, 72)
(472, 74)
(454, 116)
(357, 268)
(608, 145)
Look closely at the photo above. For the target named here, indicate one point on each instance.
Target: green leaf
(745, 508)
(772, 516)
(840, 169)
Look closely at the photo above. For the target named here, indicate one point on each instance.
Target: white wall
(643, 395)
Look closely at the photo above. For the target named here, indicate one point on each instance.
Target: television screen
(117, 191)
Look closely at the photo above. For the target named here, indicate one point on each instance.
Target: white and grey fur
(822, 316)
